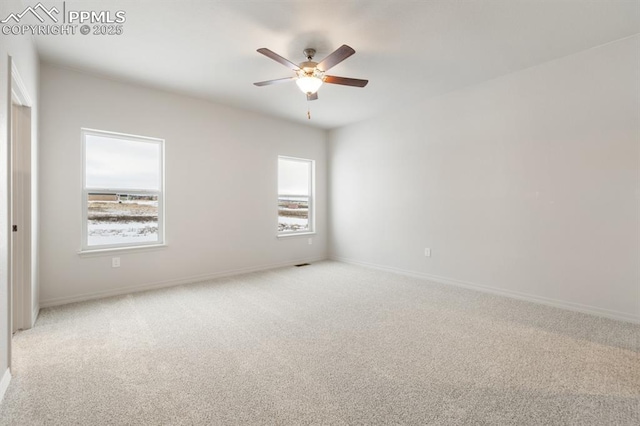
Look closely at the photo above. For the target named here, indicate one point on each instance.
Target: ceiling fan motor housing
(308, 69)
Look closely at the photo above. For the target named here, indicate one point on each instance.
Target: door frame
(19, 124)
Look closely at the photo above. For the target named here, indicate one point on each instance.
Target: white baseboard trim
(4, 383)
(171, 283)
(615, 315)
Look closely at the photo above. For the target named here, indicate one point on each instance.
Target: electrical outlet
(310, 241)
(115, 262)
(427, 252)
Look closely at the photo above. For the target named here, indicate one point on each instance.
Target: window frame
(160, 193)
(312, 197)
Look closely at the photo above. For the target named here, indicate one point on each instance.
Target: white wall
(23, 53)
(221, 186)
(527, 184)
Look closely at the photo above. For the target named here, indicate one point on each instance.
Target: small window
(123, 185)
(295, 195)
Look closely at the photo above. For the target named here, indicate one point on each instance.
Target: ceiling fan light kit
(310, 78)
(309, 74)
(309, 84)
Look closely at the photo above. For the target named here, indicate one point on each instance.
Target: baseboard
(4, 383)
(171, 283)
(615, 315)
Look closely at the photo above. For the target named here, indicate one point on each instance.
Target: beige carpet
(324, 344)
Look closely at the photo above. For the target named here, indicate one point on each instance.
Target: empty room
(296, 212)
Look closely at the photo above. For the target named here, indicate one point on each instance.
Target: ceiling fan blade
(355, 82)
(312, 96)
(341, 53)
(276, 81)
(270, 54)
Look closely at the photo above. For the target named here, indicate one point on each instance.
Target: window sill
(297, 234)
(115, 250)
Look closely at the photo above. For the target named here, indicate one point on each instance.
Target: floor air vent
(302, 264)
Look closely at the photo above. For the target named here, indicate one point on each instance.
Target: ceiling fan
(309, 74)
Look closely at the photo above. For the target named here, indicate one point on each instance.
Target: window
(123, 186)
(295, 195)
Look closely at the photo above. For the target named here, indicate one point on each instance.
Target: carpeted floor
(324, 344)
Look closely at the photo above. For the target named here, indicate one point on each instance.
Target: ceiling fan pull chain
(309, 112)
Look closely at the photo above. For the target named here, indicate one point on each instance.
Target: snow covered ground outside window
(125, 220)
(293, 214)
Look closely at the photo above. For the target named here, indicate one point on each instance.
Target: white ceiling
(407, 49)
